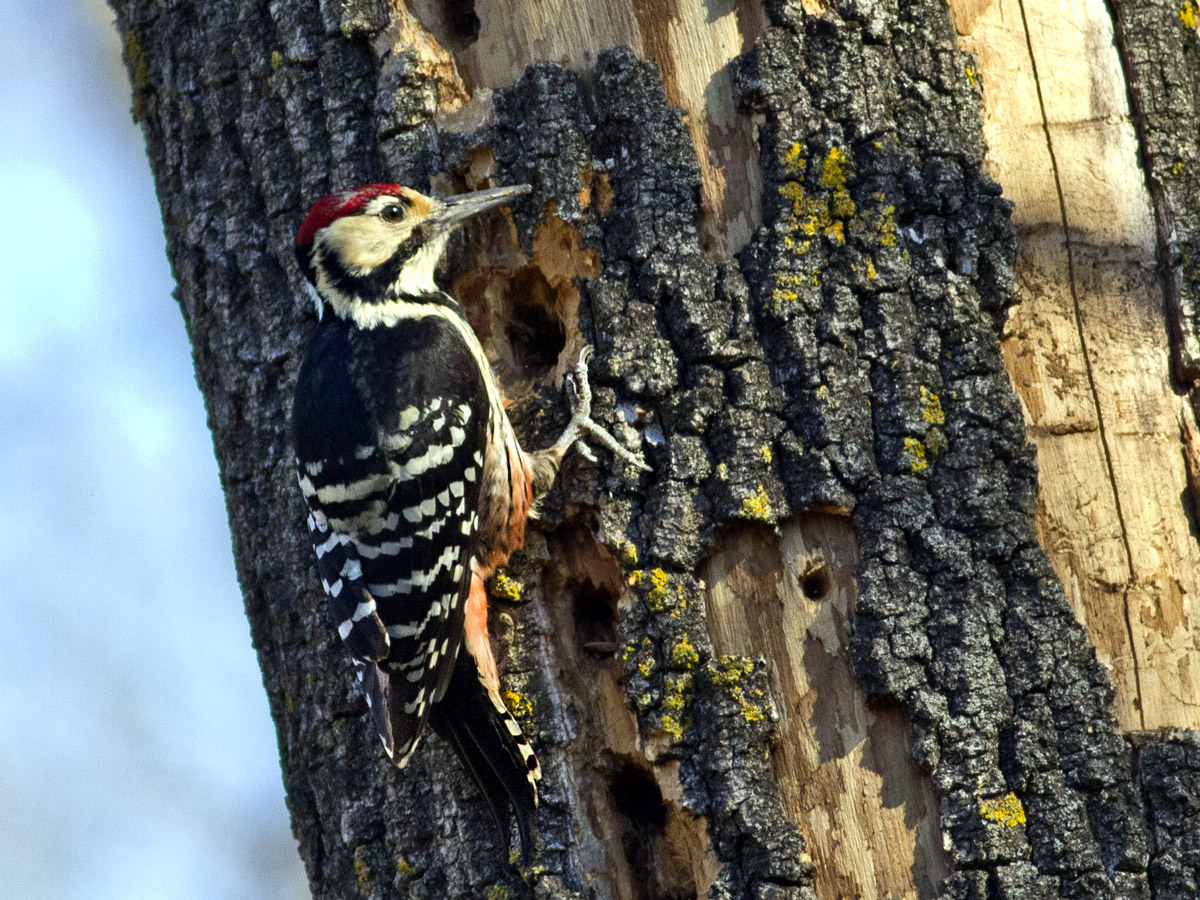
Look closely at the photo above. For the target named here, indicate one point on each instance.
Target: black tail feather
(466, 718)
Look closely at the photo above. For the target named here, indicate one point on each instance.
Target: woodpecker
(416, 485)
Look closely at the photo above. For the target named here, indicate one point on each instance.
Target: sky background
(137, 756)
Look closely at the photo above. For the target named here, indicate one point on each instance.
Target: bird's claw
(579, 394)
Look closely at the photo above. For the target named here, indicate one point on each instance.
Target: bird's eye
(391, 213)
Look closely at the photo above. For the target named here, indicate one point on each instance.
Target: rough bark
(797, 293)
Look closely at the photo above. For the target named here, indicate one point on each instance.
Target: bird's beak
(453, 211)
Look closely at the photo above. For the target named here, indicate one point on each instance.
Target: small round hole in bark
(816, 581)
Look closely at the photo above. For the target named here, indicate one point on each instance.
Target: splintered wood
(692, 49)
(790, 601)
(1089, 352)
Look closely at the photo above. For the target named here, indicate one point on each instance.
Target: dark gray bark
(856, 338)
(1161, 60)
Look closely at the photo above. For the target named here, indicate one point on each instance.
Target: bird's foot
(582, 428)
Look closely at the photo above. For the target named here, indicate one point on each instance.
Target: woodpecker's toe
(581, 424)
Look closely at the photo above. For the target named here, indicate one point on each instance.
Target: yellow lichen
(751, 712)
(809, 214)
(646, 662)
(1187, 15)
(765, 452)
(405, 870)
(842, 205)
(362, 872)
(1006, 810)
(886, 229)
(793, 162)
(499, 891)
(276, 60)
(658, 594)
(833, 169)
(674, 702)
(1177, 169)
(931, 407)
(914, 455)
(729, 670)
(971, 76)
(518, 704)
(833, 176)
(683, 654)
(636, 577)
(757, 507)
(822, 208)
(823, 395)
(785, 290)
(629, 554)
(722, 471)
(797, 247)
(508, 587)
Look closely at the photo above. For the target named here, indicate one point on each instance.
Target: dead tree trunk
(819, 650)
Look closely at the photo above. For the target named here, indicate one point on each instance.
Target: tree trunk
(819, 650)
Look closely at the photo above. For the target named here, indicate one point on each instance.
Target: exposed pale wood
(1089, 350)
(844, 769)
(690, 43)
(679, 858)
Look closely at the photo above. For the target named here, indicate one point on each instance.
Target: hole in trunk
(534, 329)
(816, 580)
(461, 21)
(594, 607)
(653, 835)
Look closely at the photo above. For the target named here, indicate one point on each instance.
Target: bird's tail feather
(492, 748)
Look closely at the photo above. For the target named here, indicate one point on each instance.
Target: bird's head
(369, 249)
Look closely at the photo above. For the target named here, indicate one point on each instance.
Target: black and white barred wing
(345, 494)
(435, 453)
(340, 494)
(394, 546)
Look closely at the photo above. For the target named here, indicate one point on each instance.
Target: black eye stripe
(377, 282)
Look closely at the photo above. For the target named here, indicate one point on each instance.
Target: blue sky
(137, 756)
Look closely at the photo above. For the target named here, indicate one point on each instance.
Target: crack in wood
(1087, 361)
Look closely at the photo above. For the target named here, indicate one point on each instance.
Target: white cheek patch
(363, 242)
